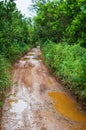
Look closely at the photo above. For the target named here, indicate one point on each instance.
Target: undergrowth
(4, 77)
(69, 63)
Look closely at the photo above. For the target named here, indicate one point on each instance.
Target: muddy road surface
(37, 101)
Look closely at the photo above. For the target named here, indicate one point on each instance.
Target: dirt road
(37, 101)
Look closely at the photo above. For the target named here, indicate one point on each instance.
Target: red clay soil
(37, 101)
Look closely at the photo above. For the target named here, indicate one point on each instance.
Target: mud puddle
(37, 101)
(18, 107)
(67, 106)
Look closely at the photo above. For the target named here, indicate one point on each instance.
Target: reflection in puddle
(18, 106)
(67, 107)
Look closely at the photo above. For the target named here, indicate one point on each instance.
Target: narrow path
(37, 101)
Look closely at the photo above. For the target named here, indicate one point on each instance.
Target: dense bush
(69, 62)
(15, 50)
(4, 76)
(14, 39)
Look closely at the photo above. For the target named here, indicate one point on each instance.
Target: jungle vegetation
(14, 40)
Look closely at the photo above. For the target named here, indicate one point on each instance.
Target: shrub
(69, 63)
(4, 76)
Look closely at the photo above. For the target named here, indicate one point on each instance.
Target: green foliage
(4, 76)
(61, 20)
(4, 73)
(14, 39)
(69, 62)
(46, 21)
(13, 52)
(76, 31)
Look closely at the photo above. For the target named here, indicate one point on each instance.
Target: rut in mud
(37, 101)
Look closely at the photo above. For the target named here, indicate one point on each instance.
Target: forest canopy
(61, 21)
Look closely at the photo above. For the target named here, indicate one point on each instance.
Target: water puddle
(18, 107)
(28, 57)
(36, 58)
(67, 107)
(25, 58)
(35, 62)
(32, 57)
(30, 54)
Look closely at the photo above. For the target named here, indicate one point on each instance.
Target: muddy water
(67, 107)
(37, 101)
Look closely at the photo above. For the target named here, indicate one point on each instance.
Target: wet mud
(37, 101)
